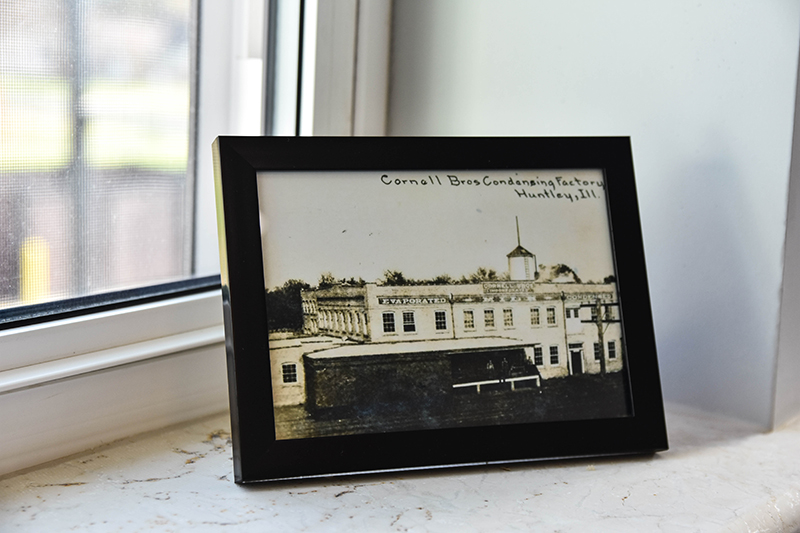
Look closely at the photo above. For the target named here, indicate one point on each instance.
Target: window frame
(489, 321)
(289, 370)
(84, 377)
(392, 322)
(163, 362)
(536, 317)
(469, 325)
(86, 324)
(552, 316)
(409, 322)
(437, 314)
(555, 356)
(508, 317)
(538, 355)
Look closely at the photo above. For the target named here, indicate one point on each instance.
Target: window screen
(95, 146)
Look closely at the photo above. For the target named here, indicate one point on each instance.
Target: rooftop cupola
(521, 262)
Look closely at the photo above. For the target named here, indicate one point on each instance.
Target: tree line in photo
(284, 303)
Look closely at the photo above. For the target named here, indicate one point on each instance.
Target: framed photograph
(405, 303)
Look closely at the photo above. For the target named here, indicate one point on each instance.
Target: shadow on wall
(714, 333)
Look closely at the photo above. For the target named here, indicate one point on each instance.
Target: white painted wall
(706, 90)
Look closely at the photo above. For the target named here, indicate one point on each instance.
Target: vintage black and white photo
(412, 300)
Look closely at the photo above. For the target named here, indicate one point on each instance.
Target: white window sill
(718, 475)
(94, 379)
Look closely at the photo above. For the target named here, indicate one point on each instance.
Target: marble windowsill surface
(719, 475)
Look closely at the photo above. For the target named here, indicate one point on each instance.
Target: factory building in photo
(395, 344)
(558, 322)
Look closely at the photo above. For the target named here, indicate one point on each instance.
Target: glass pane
(95, 182)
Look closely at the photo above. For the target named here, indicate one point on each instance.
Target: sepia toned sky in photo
(360, 224)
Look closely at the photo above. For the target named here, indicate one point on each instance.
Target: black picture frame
(259, 456)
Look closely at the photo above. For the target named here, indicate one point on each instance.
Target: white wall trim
(345, 78)
(248, 62)
(69, 416)
(334, 71)
(287, 49)
(308, 70)
(786, 393)
(33, 375)
(73, 384)
(54, 340)
(70, 385)
(213, 118)
(373, 53)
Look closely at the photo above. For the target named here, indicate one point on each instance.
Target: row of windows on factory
(538, 353)
(309, 307)
(346, 321)
(409, 325)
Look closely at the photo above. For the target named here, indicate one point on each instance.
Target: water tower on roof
(521, 263)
